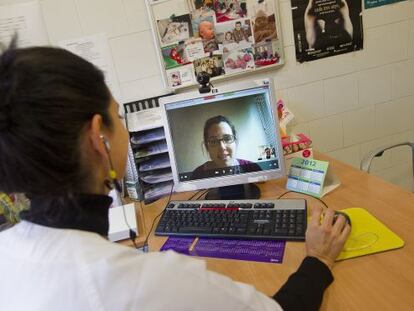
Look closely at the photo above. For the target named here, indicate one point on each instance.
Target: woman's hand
(324, 240)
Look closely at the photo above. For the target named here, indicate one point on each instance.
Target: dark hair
(217, 120)
(239, 22)
(47, 96)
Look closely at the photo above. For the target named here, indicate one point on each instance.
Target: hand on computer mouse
(325, 240)
(347, 218)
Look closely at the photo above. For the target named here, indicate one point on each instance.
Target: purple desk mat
(251, 250)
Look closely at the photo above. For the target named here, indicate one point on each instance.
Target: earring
(111, 182)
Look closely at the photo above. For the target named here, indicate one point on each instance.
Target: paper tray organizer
(149, 169)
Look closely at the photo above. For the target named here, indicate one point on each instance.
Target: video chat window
(227, 134)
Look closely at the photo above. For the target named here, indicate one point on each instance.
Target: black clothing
(88, 212)
(303, 291)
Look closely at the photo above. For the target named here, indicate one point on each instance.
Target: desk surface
(383, 281)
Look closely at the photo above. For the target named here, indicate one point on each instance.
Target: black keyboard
(283, 219)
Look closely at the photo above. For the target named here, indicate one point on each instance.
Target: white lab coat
(44, 268)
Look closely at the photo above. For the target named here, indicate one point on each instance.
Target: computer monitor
(227, 137)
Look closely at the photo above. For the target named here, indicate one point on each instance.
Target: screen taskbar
(231, 170)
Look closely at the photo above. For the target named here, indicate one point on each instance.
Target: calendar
(312, 177)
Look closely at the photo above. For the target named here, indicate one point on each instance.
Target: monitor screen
(226, 137)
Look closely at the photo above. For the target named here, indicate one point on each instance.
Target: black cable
(195, 194)
(203, 193)
(145, 246)
(132, 233)
(322, 202)
(283, 194)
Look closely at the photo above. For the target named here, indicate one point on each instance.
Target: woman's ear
(94, 135)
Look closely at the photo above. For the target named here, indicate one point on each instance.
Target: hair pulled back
(47, 96)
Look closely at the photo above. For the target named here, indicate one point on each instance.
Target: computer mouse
(347, 218)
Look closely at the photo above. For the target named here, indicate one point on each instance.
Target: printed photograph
(181, 76)
(174, 55)
(228, 10)
(266, 53)
(194, 49)
(264, 27)
(238, 60)
(234, 35)
(197, 4)
(198, 17)
(203, 23)
(212, 65)
(175, 29)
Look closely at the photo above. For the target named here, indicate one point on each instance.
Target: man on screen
(220, 141)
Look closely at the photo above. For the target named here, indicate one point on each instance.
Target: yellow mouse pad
(368, 235)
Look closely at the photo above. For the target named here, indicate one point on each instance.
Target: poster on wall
(375, 3)
(220, 37)
(324, 28)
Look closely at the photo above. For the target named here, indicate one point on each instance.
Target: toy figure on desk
(64, 231)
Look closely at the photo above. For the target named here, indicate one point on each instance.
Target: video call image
(224, 137)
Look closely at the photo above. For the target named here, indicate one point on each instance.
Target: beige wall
(348, 104)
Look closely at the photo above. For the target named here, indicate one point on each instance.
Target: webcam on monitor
(203, 78)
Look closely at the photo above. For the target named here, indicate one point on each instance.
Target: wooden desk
(383, 281)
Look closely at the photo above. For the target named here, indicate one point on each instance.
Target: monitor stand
(236, 192)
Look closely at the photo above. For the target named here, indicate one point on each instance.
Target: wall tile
(341, 94)
(297, 128)
(61, 19)
(134, 56)
(282, 94)
(307, 102)
(350, 155)
(286, 23)
(327, 133)
(377, 53)
(388, 14)
(359, 125)
(411, 38)
(137, 16)
(400, 175)
(378, 163)
(394, 117)
(106, 16)
(374, 85)
(403, 154)
(403, 79)
(143, 88)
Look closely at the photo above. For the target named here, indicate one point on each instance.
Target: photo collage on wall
(219, 37)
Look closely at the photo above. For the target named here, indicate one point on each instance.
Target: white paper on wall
(25, 20)
(95, 49)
